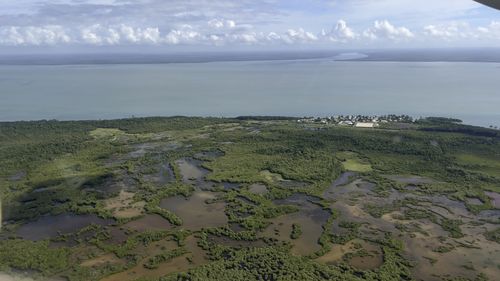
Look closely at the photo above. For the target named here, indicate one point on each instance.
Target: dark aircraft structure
(492, 3)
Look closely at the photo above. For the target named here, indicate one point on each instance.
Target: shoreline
(316, 120)
(469, 55)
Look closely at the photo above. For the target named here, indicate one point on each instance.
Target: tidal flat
(183, 198)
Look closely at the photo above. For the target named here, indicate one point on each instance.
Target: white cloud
(494, 28)
(100, 35)
(272, 37)
(113, 37)
(298, 36)
(151, 34)
(447, 31)
(245, 38)
(340, 33)
(385, 30)
(221, 24)
(226, 32)
(33, 35)
(129, 34)
(463, 31)
(89, 36)
(259, 22)
(184, 36)
(123, 34)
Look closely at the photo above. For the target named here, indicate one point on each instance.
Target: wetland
(183, 198)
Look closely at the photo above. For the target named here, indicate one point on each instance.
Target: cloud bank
(342, 23)
(219, 32)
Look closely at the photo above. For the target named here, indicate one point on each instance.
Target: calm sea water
(470, 91)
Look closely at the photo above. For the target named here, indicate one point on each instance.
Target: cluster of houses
(359, 121)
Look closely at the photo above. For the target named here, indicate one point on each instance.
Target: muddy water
(447, 207)
(117, 234)
(410, 179)
(123, 206)
(108, 259)
(209, 155)
(171, 146)
(141, 149)
(484, 260)
(490, 215)
(346, 184)
(371, 227)
(343, 179)
(307, 243)
(166, 174)
(163, 176)
(336, 254)
(299, 199)
(495, 198)
(258, 189)
(195, 212)
(292, 184)
(311, 218)
(191, 170)
(474, 201)
(349, 191)
(228, 185)
(197, 254)
(149, 222)
(192, 173)
(373, 260)
(50, 226)
(419, 247)
(422, 237)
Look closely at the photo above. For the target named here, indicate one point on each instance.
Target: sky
(37, 25)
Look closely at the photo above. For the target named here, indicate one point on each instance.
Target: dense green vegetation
(155, 261)
(83, 167)
(27, 255)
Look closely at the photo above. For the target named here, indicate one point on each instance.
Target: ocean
(304, 87)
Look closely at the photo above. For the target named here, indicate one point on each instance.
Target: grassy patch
(487, 164)
(352, 162)
(106, 133)
(154, 262)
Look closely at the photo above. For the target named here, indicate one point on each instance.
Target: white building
(365, 125)
(346, 123)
